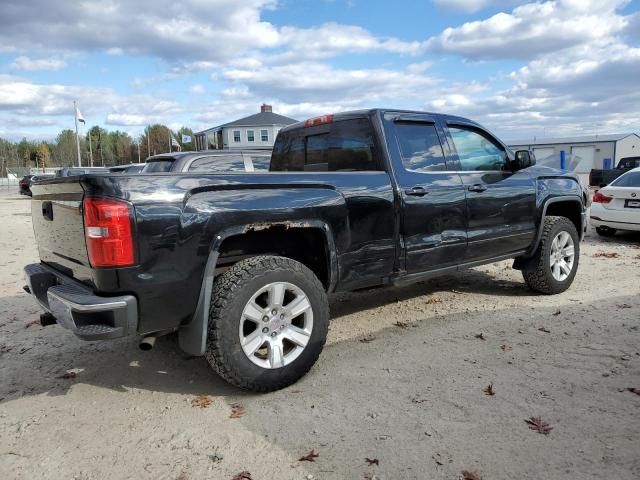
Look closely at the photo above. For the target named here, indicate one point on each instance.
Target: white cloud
(197, 89)
(533, 29)
(471, 6)
(29, 64)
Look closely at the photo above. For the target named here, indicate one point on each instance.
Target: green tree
(43, 155)
(64, 152)
(155, 140)
(26, 153)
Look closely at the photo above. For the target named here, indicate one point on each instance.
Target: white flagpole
(75, 116)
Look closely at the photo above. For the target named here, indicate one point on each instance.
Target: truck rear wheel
(553, 267)
(268, 323)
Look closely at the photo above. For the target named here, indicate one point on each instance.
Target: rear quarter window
(157, 166)
(218, 164)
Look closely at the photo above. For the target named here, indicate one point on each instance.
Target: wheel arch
(258, 239)
(568, 206)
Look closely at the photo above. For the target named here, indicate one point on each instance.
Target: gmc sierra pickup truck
(240, 264)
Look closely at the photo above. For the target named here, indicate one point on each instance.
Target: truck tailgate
(56, 213)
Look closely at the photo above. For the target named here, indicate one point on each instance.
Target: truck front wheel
(268, 323)
(553, 267)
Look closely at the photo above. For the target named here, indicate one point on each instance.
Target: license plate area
(632, 204)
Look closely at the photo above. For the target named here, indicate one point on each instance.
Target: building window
(250, 136)
(264, 135)
(236, 136)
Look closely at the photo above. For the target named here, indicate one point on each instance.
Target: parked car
(240, 264)
(617, 206)
(130, 168)
(24, 185)
(27, 181)
(210, 161)
(74, 171)
(600, 178)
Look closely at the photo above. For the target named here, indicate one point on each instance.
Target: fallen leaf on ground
(634, 390)
(309, 457)
(506, 348)
(431, 301)
(488, 390)
(438, 459)
(243, 475)
(202, 401)
(545, 330)
(606, 254)
(69, 375)
(372, 461)
(32, 323)
(480, 336)
(237, 410)
(556, 313)
(538, 425)
(469, 475)
(368, 339)
(401, 324)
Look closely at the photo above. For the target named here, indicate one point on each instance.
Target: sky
(546, 68)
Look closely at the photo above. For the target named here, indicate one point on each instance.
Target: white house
(254, 131)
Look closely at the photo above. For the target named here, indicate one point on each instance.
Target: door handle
(416, 191)
(478, 187)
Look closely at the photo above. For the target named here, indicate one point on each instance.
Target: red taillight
(318, 120)
(600, 198)
(107, 227)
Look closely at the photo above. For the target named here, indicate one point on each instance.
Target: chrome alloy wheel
(562, 256)
(276, 325)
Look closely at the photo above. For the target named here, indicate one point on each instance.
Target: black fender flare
(564, 198)
(192, 337)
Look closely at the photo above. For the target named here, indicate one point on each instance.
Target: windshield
(158, 166)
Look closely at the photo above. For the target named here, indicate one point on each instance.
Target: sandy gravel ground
(401, 381)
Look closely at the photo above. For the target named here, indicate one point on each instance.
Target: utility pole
(75, 117)
(90, 149)
(148, 141)
(139, 161)
(169, 132)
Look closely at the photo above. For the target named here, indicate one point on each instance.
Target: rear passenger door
(501, 203)
(433, 224)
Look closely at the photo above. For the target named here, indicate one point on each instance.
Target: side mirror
(523, 159)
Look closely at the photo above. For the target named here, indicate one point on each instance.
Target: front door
(501, 203)
(433, 199)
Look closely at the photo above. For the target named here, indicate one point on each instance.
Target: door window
(420, 147)
(477, 152)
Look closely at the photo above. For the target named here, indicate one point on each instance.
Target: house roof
(564, 140)
(261, 119)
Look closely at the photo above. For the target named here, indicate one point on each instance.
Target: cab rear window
(341, 146)
(157, 166)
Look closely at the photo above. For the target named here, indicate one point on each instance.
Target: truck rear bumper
(77, 308)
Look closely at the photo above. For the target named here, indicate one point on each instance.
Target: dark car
(27, 181)
(210, 161)
(74, 171)
(24, 185)
(600, 178)
(240, 264)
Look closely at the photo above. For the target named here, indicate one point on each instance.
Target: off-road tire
(537, 272)
(230, 293)
(606, 231)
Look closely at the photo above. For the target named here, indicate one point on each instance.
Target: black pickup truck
(601, 178)
(240, 264)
